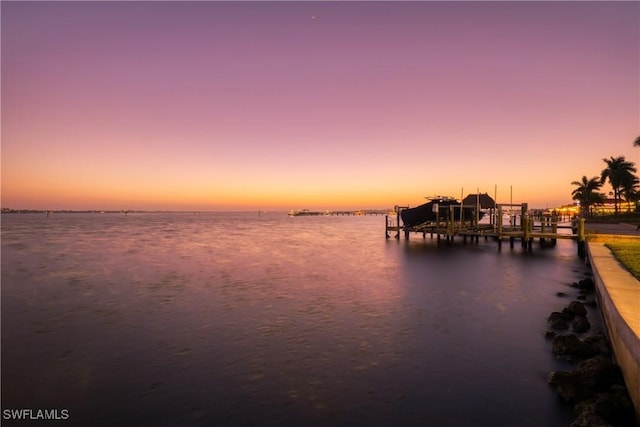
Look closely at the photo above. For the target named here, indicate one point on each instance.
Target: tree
(618, 171)
(587, 193)
(629, 190)
(636, 143)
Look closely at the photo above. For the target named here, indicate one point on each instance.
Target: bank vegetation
(621, 175)
(628, 253)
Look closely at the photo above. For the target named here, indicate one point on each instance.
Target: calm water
(240, 319)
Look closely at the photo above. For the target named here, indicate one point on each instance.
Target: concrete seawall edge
(619, 295)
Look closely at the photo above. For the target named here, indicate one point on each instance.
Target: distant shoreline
(100, 211)
(128, 211)
(50, 211)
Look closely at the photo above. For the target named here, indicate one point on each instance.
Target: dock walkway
(615, 230)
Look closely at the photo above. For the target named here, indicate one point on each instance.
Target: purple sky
(265, 105)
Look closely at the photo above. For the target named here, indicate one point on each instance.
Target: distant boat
(305, 212)
(428, 212)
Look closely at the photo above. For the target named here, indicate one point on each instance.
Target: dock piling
(581, 239)
(386, 226)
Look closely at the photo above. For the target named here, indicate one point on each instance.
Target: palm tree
(629, 190)
(618, 171)
(636, 143)
(587, 194)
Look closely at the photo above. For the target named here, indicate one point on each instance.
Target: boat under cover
(428, 212)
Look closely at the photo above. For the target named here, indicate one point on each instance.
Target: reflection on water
(240, 319)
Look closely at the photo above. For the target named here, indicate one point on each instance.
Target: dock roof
(486, 201)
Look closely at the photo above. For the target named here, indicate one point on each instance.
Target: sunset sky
(323, 105)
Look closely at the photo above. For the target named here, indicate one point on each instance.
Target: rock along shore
(596, 387)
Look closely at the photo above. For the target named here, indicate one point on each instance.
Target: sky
(320, 105)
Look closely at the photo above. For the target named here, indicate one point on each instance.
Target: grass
(628, 253)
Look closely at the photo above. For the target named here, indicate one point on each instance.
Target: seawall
(619, 296)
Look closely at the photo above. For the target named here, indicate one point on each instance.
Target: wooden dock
(520, 226)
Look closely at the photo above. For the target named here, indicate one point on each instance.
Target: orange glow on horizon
(182, 195)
